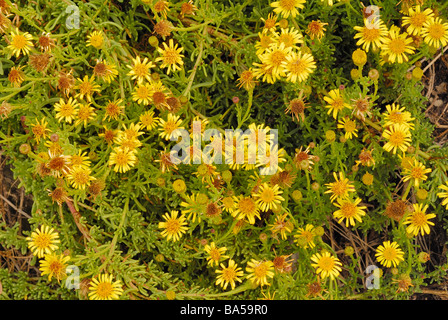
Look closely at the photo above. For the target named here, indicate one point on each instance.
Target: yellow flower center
(67, 110)
(267, 195)
(297, 66)
(172, 226)
(170, 56)
(287, 39)
(96, 40)
(19, 41)
(397, 46)
(348, 210)
(215, 254)
(436, 31)
(417, 173)
(143, 92)
(141, 70)
(122, 158)
(56, 267)
(104, 290)
(397, 138)
(350, 126)
(418, 19)
(228, 274)
(261, 270)
(269, 23)
(397, 117)
(338, 103)
(419, 219)
(339, 188)
(326, 263)
(170, 126)
(371, 34)
(390, 254)
(81, 177)
(246, 205)
(42, 241)
(277, 57)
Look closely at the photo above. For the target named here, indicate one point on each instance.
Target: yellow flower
(168, 127)
(270, 23)
(397, 46)
(170, 56)
(336, 102)
(173, 226)
(268, 198)
(148, 121)
(365, 158)
(87, 87)
(113, 110)
(326, 265)
(95, 39)
(444, 195)
(281, 226)
(349, 211)
(340, 188)
(349, 126)
(162, 7)
(104, 288)
(274, 57)
(397, 115)
(215, 254)
(20, 43)
(288, 7)
(259, 272)
(228, 275)
(418, 220)
(85, 114)
(79, 177)
(371, 35)
(305, 237)
(389, 254)
(54, 266)
(297, 67)
(193, 208)
(290, 37)
(66, 111)
(435, 32)
(142, 94)
(105, 71)
(247, 80)
(43, 241)
(246, 208)
(39, 129)
(140, 69)
(80, 159)
(316, 29)
(16, 76)
(359, 57)
(122, 159)
(416, 19)
(398, 137)
(416, 172)
(367, 179)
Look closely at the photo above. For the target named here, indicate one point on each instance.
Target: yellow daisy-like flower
(79, 177)
(290, 37)
(80, 159)
(297, 67)
(43, 241)
(193, 208)
(104, 288)
(349, 211)
(418, 220)
(288, 7)
(435, 32)
(398, 137)
(247, 80)
(263, 43)
(87, 87)
(270, 23)
(113, 110)
(170, 56)
(268, 198)
(371, 35)
(228, 275)
(168, 127)
(416, 19)
(122, 159)
(20, 43)
(16, 76)
(444, 195)
(95, 39)
(131, 132)
(416, 172)
(54, 266)
(274, 57)
(140, 69)
(105, 71)
(246, 208)
(142, 94)
(305, 237)
(336, 102)
(162, 7)
(215, 254)
(85, 114)
(389, 254)
(262, 70)
(66, 111)
(39, 129)
(316, 29)
(349, 127)
(259, 272)
(326, 265)
(281, 226)
(397, 46)
(173, 226)
(148, 121)
(340, 188)
(395, 114)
